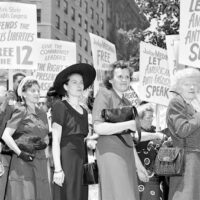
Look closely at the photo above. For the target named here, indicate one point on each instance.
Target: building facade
(72, 20)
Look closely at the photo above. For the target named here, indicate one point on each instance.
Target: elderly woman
(147, 151)
(69, 128)
(184, 124)
(115, 157)
(24, 134)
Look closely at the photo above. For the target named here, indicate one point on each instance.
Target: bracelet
(58, 171)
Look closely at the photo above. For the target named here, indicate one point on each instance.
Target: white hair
(182, 74)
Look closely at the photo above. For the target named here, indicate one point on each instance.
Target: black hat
(87, 71)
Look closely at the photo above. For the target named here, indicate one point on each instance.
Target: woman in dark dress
(69, 128)
(147, 151)
(28, 178)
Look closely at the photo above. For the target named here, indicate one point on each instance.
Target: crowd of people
(43, 143)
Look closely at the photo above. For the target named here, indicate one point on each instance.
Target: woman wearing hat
(24, 134)
(183, 122)
(69, 128)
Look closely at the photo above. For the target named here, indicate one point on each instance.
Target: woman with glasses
(183, 121)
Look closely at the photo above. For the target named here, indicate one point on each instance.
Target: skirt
(28, 180)
(116, 162)
(73, 155)
(187, 187)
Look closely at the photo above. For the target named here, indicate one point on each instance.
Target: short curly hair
(108, 75)
(180, 75)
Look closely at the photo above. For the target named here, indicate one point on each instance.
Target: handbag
(27, 143)
(90, 171)
(123, 114)
(169, 161)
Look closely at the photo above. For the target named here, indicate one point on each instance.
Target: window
(65, 7)
(38, 35)
(86, 26)
(97, 32)
(57, 38)
(102, 7)
(102, 24)
(66, 28)
(92, 29)
(86, 45)
(58, 3)
(79, 20)
(79, 58)
(57, 22)
(92, 13)
(86, 7)
(80, 39)
(97, 3)
(73, 13)
(80, 3)
(86, 61)
(97, 17)
(73, 35)
(38, 15)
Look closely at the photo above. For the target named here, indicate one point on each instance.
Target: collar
(119, 94)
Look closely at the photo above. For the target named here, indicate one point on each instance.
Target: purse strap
(138, 128)
(137, 122)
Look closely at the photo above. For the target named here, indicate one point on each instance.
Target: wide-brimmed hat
(87, 71)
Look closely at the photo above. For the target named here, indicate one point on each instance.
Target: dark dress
(116, 162)
(73, 154)
(28, 180)
(184, 123)
(154, 189)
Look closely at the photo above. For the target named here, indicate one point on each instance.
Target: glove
(27, 157)
(40, 145)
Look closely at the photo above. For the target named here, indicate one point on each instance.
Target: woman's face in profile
(32, 94)
(121, 79)
(188, 88)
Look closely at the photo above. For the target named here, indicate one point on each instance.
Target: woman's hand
(91, 144)
(143, 174)
(25, 156)
(132, 125)
(59, 177)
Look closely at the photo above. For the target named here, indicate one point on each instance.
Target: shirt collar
(118, 93)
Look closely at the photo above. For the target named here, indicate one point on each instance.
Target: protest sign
(18, 33)
(104, 53)
(172, 42)
(154, 79)
(53, 57)
(189, 33)
(132, 94)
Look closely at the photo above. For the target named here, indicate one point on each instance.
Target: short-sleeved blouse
(72, 122)
(107, 99)
(28, 123)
